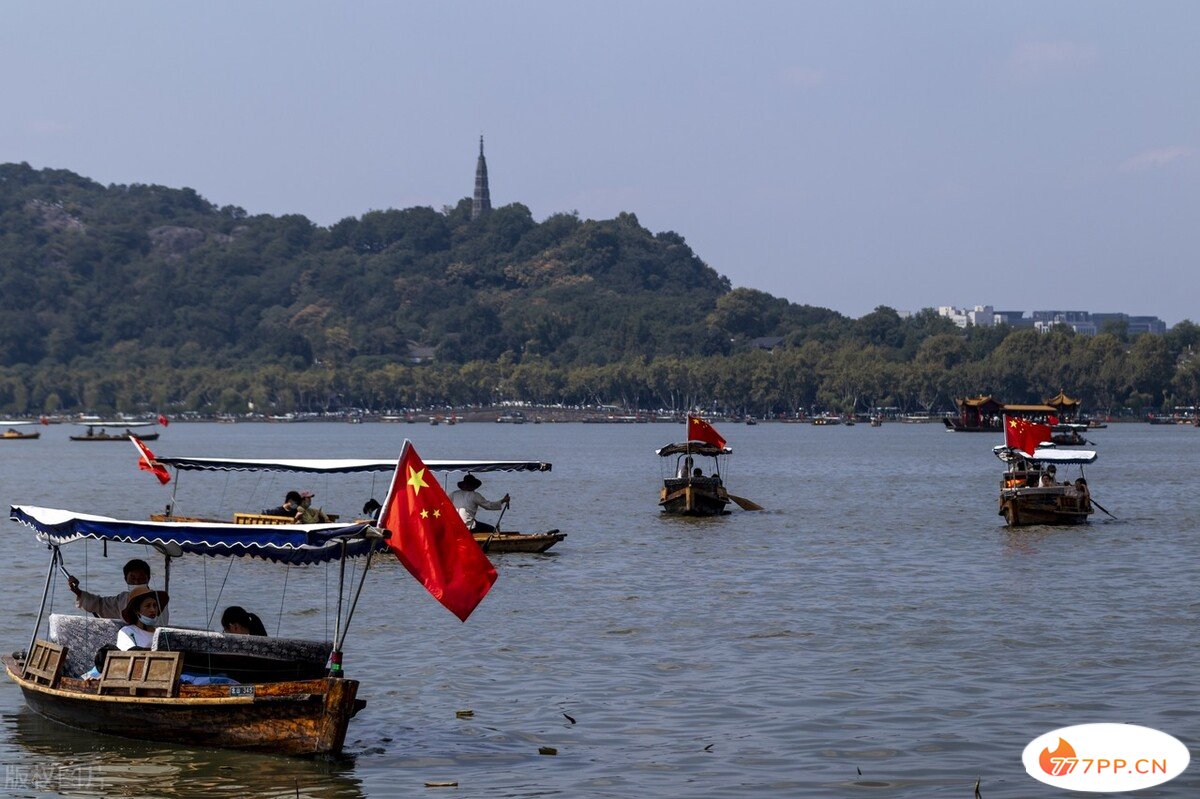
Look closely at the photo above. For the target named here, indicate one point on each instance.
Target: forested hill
(145, 299)
(124, 275)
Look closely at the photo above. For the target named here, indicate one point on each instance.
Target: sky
(841, 154)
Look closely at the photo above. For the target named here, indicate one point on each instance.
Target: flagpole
(354, 602)
(335, 657)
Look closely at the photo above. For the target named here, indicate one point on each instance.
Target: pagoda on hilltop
(482, 204)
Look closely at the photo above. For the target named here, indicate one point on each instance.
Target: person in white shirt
(468, 501)
(141, 613)
(137, 573)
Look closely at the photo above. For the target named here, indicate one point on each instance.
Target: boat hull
(693, 500)
(1048, 506)
(19, 436)
(300, 718)
(121, 437)
(499, 543)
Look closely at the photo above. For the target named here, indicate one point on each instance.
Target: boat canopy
(117, 423)
(1030, 409)
(15, 423)
(281, 543)
(1048, 455)
(692, 448)
(341, 465)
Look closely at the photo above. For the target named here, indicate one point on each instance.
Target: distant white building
(979, 316)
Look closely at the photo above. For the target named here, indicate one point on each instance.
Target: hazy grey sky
(844, 154)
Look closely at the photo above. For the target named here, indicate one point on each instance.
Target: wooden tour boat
(689, 493)
(98, 431)
(499, 542)
(291, 696)
(1030, 492)
(13, 432)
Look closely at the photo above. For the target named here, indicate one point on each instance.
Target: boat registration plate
(241, 690)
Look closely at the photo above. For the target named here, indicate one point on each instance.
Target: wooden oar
(1101, 507)
(501, 516)
(746, 504)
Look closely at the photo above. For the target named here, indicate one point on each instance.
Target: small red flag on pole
(147, 463)
(162, 419)
(430, 539)
(700, 430)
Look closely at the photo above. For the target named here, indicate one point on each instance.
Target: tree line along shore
(148, 299)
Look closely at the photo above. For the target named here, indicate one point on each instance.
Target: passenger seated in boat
(685, 468)
(1047, 480)
(1081, 487)
(137, 574)
(141, 617)
(371, 509)
(468, 501)
(290, 506)
(308, 514)
(101, 656)
(240, 621)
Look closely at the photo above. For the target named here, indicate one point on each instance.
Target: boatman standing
(468, 501)
(137, 576)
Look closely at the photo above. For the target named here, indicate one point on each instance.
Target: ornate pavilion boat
(292, 698)
(493, 543)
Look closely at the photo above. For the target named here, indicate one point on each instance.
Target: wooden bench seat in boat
(261, 518)
(245, 658)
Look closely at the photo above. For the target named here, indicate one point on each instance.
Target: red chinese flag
(1024, 435)
(147, 463)
(700, 430)
(431, 540)
(162, 419)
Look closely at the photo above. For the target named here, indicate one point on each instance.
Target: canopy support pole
(354, 602)
(174, 488)
(42, 608)
(335, 657)
(166, 573)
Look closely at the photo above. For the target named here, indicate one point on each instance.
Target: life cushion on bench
(174, 639)
(82, 636)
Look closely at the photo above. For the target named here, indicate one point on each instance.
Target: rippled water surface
(876, 632)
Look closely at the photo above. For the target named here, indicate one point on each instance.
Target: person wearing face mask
(137, 574)
(142, 614)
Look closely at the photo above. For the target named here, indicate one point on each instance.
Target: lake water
(877, 631)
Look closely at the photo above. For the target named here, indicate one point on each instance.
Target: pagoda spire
(482, 204)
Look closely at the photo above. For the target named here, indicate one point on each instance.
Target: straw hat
(130, 612)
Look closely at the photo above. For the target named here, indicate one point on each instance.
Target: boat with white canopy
(1030, 490)
(17, 430)
(292, 698)
(98, 431)
(492, 542)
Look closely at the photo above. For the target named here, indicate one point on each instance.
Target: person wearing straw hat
(468, 501)
(141, 614)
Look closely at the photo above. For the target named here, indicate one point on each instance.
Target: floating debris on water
(464, 714)
(547, 750)
(568, 718)
(441, 784)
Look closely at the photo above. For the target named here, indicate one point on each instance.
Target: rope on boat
(219, 592)
(282, 599)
